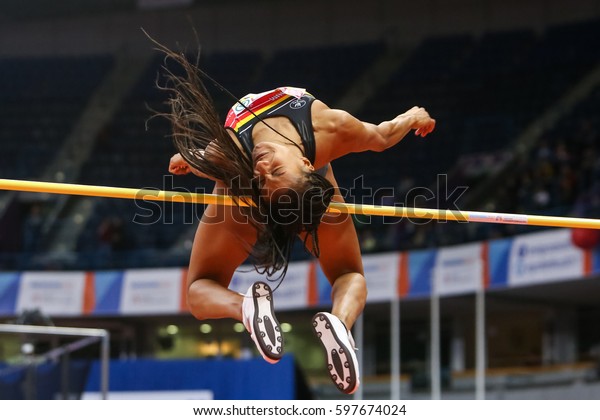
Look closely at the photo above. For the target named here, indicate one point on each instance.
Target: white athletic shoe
(339, 347)
(259, 319)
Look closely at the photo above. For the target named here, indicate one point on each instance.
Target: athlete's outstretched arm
(343, 133)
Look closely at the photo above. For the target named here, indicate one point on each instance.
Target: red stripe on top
(257, 104)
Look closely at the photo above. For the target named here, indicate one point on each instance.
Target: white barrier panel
(151, 291)
(53, 293)
(458, 269)
(544, 256)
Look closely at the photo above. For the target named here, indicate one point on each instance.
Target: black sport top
(293, 103)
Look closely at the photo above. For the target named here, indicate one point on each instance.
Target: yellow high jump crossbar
(363, 209)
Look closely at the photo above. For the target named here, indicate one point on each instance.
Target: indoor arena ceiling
(11, 10)
(43, 9)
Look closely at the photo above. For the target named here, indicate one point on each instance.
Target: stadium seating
(41, 101)
(482, 90)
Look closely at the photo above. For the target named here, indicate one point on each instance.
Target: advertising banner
(543, 257)
(108, 286)
(498, 255)
(381, 272)
(536, 258)
(291, 292)
(151, 291)
(459, 269)
(420, 272)
(9, 287)
(52, 292)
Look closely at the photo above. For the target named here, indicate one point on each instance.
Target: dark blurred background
(514, 87)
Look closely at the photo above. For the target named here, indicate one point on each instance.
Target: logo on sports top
(297, 103)
(238, 108)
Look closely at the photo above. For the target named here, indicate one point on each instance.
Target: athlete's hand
(178, 166)
(423, 124)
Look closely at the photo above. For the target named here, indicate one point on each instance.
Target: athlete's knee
(200, 295)
(353, 281)
(361, 284)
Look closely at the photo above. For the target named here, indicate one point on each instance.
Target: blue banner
(498, 254)
(107, 291)
(9, 288)
(420, 267)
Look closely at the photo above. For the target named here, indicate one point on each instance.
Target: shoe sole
(340, 363)
(265, 327)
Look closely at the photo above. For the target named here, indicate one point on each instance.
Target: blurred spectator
(111, 234)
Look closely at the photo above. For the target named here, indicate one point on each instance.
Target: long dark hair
(278, 219)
